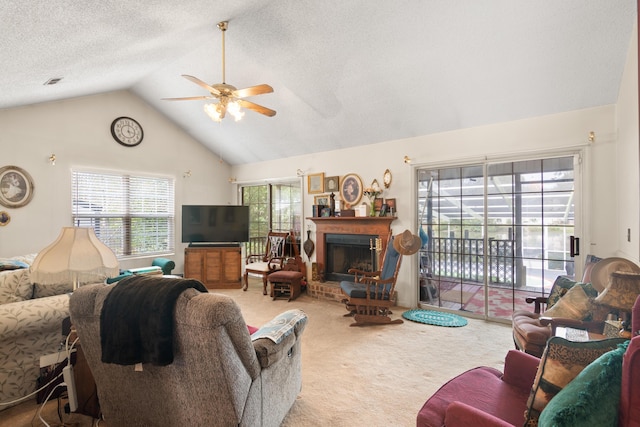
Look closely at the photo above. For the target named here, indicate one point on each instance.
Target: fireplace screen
(345, 251)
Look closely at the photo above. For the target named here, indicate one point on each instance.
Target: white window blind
(133, 215)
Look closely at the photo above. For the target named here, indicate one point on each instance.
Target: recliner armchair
(218, 376)
(531, 330)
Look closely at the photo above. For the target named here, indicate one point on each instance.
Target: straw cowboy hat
(601, 272)
(407, 243)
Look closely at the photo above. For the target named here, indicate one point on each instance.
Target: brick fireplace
(342, 229)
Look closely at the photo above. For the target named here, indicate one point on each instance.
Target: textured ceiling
(344, 73)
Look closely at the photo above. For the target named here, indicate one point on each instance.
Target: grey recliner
(218, 377)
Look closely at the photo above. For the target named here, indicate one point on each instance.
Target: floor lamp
(77, 256)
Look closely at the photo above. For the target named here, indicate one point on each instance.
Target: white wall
(533, 136)
(78, 132)
(627, 158)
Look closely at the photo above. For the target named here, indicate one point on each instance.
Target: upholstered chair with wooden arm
(264, 264)
(567, 305)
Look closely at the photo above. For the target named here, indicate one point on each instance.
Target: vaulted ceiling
(344, 73)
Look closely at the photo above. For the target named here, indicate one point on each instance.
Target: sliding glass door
(497, 233)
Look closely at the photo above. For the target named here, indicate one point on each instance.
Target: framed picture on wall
(16, 187)
(351, 189)
(315, 183)
(332, 184)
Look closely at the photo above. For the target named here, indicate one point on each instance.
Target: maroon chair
(629, 412)
(483, 396)
(487, 397)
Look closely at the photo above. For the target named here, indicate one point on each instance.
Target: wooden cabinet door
(232, 266)
(194, 264)
(214, 267)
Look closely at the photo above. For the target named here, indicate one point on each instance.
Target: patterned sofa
(30, 326)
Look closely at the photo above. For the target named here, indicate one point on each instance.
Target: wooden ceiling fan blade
(189, 98)
(252, 91)
(257, 108)
(200, 83)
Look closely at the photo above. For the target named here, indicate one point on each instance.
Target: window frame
(271, 204)
(125, 212)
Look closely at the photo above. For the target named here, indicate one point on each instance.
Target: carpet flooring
(394, 368)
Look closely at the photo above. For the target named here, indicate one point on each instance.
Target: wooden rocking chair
(371, 294)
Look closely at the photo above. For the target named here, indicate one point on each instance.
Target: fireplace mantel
(373, 225)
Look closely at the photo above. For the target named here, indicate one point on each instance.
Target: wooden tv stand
(216, 266)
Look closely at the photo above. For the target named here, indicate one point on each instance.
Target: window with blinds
(133, 215)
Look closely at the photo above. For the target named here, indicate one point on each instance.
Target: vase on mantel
(372, 208)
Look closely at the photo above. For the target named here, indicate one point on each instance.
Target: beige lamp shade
(77, 256)
(621, 291)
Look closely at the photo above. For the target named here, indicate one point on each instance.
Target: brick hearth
(325, 290)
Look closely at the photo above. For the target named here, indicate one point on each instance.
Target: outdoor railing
(464, 259)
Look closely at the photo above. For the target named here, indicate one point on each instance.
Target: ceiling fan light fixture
(219, 110)
(215, 111)
(233, 108)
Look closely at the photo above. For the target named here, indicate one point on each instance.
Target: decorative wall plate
(16, 187)
(386, 178)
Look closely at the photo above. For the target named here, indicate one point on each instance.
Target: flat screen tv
(202, 224)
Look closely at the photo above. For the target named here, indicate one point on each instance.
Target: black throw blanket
(136, 322)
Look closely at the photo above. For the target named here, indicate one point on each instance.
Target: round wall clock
(127, 131)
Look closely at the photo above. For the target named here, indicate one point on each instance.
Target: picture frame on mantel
(321, 200)
(377, 203)
(391, 204)
(315, 183)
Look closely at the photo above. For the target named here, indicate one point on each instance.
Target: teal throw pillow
(591, 399)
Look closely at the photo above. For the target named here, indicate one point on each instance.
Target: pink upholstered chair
(487, 397)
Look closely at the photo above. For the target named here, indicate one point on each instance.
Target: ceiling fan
(230, 98)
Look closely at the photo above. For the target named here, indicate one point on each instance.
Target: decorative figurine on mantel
(332, 204)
